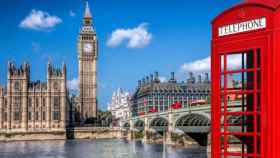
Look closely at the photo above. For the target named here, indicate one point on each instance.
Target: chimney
(206, 80)
(191, 79)
(139, 83)
(147, 80)
(172, 79)
(157, 77)
(172, 76)
(143, 82)
(199, 79)
(151, 78)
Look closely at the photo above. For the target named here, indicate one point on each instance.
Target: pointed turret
(87, 11)
(87, 15)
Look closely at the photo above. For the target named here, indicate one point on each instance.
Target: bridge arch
(195, 125)
(159, 124)
(139, 125)
(192, 119)
(126, 125)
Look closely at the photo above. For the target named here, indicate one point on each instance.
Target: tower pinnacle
(87, 11)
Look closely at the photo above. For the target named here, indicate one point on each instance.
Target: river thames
(103, 148)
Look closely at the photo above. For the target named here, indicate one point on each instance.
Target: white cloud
(198, 66)
(39, 20)
(137, 37)
(204, 65)
(72, 14)
(73, 86)
(162, 79)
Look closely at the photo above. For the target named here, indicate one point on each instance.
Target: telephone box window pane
(249, 60)
(258, 58)
(250, 103)
(236, 102)
(258, 108)
(258, 123)
(222, 82)
(240, 81)
(240, 143)
(234, 81)
(250, 80)
(234, 62)
(222, 63)
(258, 144)
(240, 123)
(237, 144)
(238, 61)
(258, 80)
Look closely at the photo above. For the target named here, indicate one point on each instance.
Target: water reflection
(104, 148)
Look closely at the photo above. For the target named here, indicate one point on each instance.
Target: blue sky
(173, 35)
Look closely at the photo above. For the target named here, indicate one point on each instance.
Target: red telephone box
(245, 74)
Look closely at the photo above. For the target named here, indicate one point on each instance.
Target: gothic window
(44, 102)
(16, 86)
(56, 108)
(29, 115)
(44, 116)
(36, 116)
(30, 109)
(17, 109)
(5, 104)
(29, 102)
(5, 116)
(44, 109)
(37, 102)
(55, 86)
(17, 116)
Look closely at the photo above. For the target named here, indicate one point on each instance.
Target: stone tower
(87, 56)
(16, 111)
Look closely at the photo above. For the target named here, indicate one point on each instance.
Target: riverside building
(119, 105)
(153, 95)
(34, 106)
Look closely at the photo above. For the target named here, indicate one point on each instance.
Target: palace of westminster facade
(46, 106)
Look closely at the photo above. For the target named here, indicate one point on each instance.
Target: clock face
(87, 47)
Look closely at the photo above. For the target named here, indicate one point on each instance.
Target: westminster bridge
(193, 122)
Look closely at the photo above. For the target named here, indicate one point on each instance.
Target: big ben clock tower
(87, 55)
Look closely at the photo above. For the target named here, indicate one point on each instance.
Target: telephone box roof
(271, 3)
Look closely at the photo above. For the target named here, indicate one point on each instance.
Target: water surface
(103, 148)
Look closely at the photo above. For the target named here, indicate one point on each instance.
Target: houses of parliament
(28, 106)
